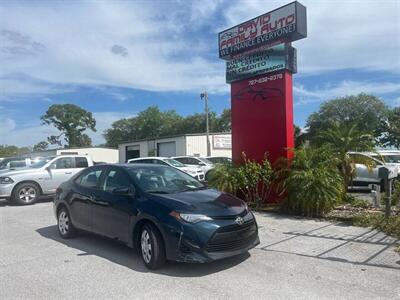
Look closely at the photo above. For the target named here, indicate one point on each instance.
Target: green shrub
(223, 177)
(360, 203)
(396, 193)
(311, 182)
(254, 180)
(250, 179)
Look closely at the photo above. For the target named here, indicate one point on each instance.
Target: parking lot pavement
(303, 259)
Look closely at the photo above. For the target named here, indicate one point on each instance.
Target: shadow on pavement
(120, 254)
(354, 248)
(43, 199)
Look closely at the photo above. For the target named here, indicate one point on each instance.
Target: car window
(17, 164)
(115, 178)
(89, 179)
(181, 159)
(81, 162)
(63, 163)
(159, 162)
(192, 161)
(159, 179)
(141, 161)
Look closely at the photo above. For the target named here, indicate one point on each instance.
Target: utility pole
(205, 97)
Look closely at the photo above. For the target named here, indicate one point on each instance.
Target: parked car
(220, 159)
(24, 186)
(389, 157)
(161, 211)
(367, 173)
(191, 170)
(200, 162)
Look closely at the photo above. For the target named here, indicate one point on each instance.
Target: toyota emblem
(239, 221)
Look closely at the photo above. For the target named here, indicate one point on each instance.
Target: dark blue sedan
(161, 211)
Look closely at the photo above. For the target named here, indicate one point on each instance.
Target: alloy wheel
(146, 246)
(63, 223)
(27, 194)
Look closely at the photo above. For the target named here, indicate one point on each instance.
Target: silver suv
(24, 186)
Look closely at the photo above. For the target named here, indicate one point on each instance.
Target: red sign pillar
(262, 117)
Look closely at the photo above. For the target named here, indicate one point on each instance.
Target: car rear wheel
(152, 248)
(64, 224)
(25, 194)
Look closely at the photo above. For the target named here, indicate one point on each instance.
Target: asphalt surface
(297, 259)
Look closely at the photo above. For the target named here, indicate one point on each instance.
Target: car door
(112, 211)
(85, 189)
(364, 173)
(58, 172)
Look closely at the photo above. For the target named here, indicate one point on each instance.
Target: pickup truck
(24, 186)
(367, 175)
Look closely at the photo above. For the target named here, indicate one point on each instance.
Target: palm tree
(344, 138)
(310, 181)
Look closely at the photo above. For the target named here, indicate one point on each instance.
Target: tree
(390, 129)
(224, 123)
(365, 111)
(11, 150)
(344, 138)
(153, 123)
(41, 146)
(72, 121)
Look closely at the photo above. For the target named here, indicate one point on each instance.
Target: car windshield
(205, 160)
(163, 180)
(41, 162)
(391, 158)
(174, 163)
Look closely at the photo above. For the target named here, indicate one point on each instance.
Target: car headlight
(193, 173)
(190, 218)
(6, 180)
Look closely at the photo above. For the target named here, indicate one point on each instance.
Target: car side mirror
(123, 191)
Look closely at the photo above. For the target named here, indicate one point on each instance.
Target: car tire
(152, 250)
(64, 225)
(25, 194)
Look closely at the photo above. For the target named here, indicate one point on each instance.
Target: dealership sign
(285, 24)
(276, 58)
(222, 141)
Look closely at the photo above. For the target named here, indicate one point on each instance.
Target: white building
(98, 154)
(188, 144)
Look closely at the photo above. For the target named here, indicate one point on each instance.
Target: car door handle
(68, 172)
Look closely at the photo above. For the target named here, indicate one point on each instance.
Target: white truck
(24, 186)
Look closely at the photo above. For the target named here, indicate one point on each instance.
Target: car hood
(189, 169)
(14, 172)
(208, 202)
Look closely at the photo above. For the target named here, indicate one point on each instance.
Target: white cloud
(28, 134)
(76, 39)
(317, 94)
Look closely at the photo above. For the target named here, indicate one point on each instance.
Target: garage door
(166, 149)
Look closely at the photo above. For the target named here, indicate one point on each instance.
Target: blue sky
(115, 58)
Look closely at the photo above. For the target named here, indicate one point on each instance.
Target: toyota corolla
(162, 212)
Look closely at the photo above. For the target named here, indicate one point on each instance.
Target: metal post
(388, 194)
(205, 96)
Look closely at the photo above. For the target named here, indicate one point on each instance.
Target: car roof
(150, 157)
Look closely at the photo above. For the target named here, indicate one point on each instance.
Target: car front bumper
(6, 190)
(209, 241)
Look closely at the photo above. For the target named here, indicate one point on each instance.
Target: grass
(377, 220)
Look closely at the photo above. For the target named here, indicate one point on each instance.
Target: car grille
(233, 237)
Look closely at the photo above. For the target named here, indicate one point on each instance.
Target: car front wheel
(64, 224)
(25, 194)
(152, 247)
